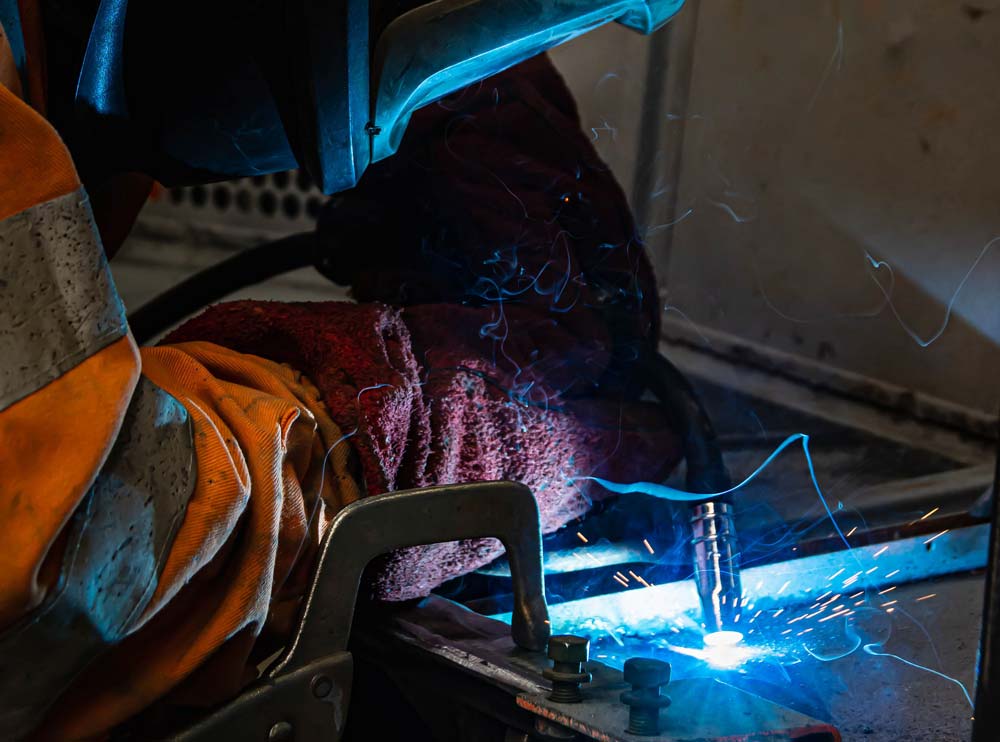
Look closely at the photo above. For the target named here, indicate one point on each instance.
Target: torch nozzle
(716, 565)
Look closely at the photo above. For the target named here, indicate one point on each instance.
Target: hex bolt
(568, 653)
(644, 701)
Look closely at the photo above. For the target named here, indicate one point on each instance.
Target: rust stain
(566, 721)
(872, 9)
(737, 8)
(940, 114)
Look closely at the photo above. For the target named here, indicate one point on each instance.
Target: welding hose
(341, 222)
(706, 470)
(246, 268)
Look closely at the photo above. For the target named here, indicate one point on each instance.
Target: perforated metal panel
(280, 203)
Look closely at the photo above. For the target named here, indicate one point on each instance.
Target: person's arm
(156, 505)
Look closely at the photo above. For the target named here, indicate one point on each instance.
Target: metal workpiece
(646, 676)
(306, 692)
(568, 655)
(446, 657)
(702, 709)
(716, 564)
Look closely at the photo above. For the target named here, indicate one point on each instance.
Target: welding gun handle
(444, 46)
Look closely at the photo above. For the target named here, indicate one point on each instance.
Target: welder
(161, 505)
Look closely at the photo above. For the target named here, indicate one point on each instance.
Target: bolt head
(645, 672)
(282, 731)
(321, 686)
(568, 648)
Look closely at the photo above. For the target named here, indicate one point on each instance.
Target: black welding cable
(986, 718)
(706, 470)
(212, 284)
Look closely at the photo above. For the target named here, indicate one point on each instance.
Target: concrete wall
(818, 133)
(606, 70)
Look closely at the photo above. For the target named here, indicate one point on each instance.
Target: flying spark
(639, 579)
(937, 535)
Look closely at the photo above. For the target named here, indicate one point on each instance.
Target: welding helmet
(193, 91)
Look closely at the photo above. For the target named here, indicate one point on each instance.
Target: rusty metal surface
(702, 710)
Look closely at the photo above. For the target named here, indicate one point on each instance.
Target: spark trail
(887, 293)
(887, 290)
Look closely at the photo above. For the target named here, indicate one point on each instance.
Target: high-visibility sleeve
(272, 468)
(161, 509)
(68, 371)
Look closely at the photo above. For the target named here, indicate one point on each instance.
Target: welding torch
(715, 548)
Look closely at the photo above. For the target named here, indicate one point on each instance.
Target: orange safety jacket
(159, 505)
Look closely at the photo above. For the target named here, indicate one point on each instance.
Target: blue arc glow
(725, 649)
(723, 638)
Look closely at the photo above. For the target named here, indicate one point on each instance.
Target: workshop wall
(816, 136)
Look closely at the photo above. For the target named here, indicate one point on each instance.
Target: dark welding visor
(193, 91)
